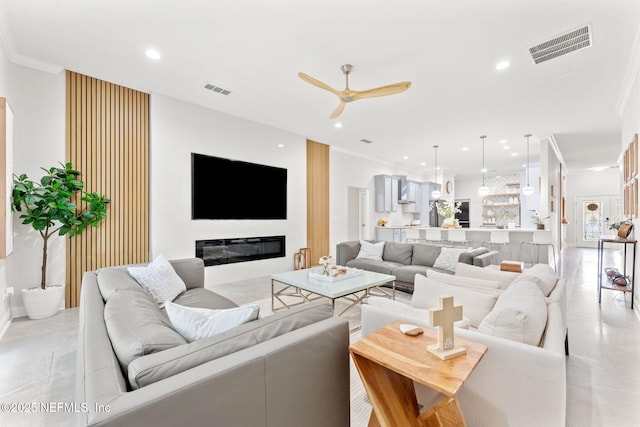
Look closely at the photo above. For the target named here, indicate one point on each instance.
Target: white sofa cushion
(195, 323)
(475, 304)
(420, 314)
(160, 279)
(371, 251)
(542, 275)
(503, 277)
(448, 258)
(520, 314)
(470, 282)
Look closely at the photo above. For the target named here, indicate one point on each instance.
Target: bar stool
(433, 235)
(540, 239)
(457, 237)
(499, 238)
(412, 235)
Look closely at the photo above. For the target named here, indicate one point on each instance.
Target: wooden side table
(389, 361)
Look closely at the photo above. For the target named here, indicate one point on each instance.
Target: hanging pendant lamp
(483, 190)
(435, 194)
(528, 189)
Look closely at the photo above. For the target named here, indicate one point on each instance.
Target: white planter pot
(449, 222)
(40, 303)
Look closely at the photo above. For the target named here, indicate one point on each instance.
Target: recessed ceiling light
(502, 65)
(406, 157)
(337, 125)
(153, 54)
(465, 148)
(483, 170)
(598, 168)
(514, 154)
(280, 145)
(423, 163)
(503, 141)
(505, 147)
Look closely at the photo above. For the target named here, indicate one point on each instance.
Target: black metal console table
(605, 283)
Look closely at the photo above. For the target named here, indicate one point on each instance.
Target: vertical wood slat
(108, 142)
(317, 200)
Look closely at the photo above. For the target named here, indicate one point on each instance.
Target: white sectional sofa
(516, 383)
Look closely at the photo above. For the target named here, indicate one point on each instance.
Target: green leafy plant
(618, 224)
(49, 208)
(537, 219)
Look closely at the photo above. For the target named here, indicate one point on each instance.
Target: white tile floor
(37, 357)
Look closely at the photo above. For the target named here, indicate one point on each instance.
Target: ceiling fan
(348, 95)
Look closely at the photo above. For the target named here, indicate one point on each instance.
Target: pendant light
(528, 189)
(435, 194)
(484, 190)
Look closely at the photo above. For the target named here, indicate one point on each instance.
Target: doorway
(359, 227)
(593, 216)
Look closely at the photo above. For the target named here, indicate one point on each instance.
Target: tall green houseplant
(48, 206)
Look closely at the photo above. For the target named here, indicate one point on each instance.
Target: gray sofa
(134, 369)
(405, 260)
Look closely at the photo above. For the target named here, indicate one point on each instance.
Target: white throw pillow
(160, 279)
(197, 323)
(463, 281)
(520, 314)
(448, 258)
(503, 277)
(371, 251)
(542, 275)
(475, 304)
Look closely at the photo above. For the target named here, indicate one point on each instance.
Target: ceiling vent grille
(366, 141)
(561, 45)
(217, 89)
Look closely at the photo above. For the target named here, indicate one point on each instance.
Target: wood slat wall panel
(317, 200)
(107, 136)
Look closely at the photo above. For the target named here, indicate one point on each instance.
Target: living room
(179, 127)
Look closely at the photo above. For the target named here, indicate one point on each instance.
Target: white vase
(41, 303)
(449, 222)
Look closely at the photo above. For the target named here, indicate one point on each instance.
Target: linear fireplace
(227, 251)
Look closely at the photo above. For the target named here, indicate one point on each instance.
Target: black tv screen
(232, 189)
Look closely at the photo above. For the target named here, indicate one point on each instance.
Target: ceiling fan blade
(307, 78)
(391, 89)
(338, 110)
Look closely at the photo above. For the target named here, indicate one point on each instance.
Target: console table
(389, 361)
(603, 283)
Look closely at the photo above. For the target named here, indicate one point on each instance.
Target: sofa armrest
(257, 386)
(346, 251)
(486, 259)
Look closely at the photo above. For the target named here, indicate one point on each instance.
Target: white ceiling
(448, 49)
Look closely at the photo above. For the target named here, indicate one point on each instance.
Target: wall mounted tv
(232, 189)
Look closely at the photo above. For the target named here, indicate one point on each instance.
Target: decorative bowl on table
(336, 273)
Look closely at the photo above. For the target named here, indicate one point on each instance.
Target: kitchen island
(476, 235)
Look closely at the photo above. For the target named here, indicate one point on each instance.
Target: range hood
(403, 190)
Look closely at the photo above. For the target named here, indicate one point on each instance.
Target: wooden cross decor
(443, 318)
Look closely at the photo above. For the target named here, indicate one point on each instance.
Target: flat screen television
(232, 189)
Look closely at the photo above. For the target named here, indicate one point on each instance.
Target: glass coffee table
(305, 288)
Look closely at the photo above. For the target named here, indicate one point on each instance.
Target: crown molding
(630, 75)
(6, 39)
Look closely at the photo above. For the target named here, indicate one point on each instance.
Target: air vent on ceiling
(366, 141)
(561, 45)
(217, 89)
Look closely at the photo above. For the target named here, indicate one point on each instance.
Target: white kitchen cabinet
(386, 193)
(414, 194)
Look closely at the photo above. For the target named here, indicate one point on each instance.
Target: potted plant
(48, 206)
(448, 211)
(538, 220)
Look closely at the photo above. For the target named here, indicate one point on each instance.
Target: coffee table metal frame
(298, 284)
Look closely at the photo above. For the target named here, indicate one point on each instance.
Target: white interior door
(593, 216)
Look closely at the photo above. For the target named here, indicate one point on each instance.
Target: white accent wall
(178, 129)
(631, 126)
(38, 102)
(5, 311)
